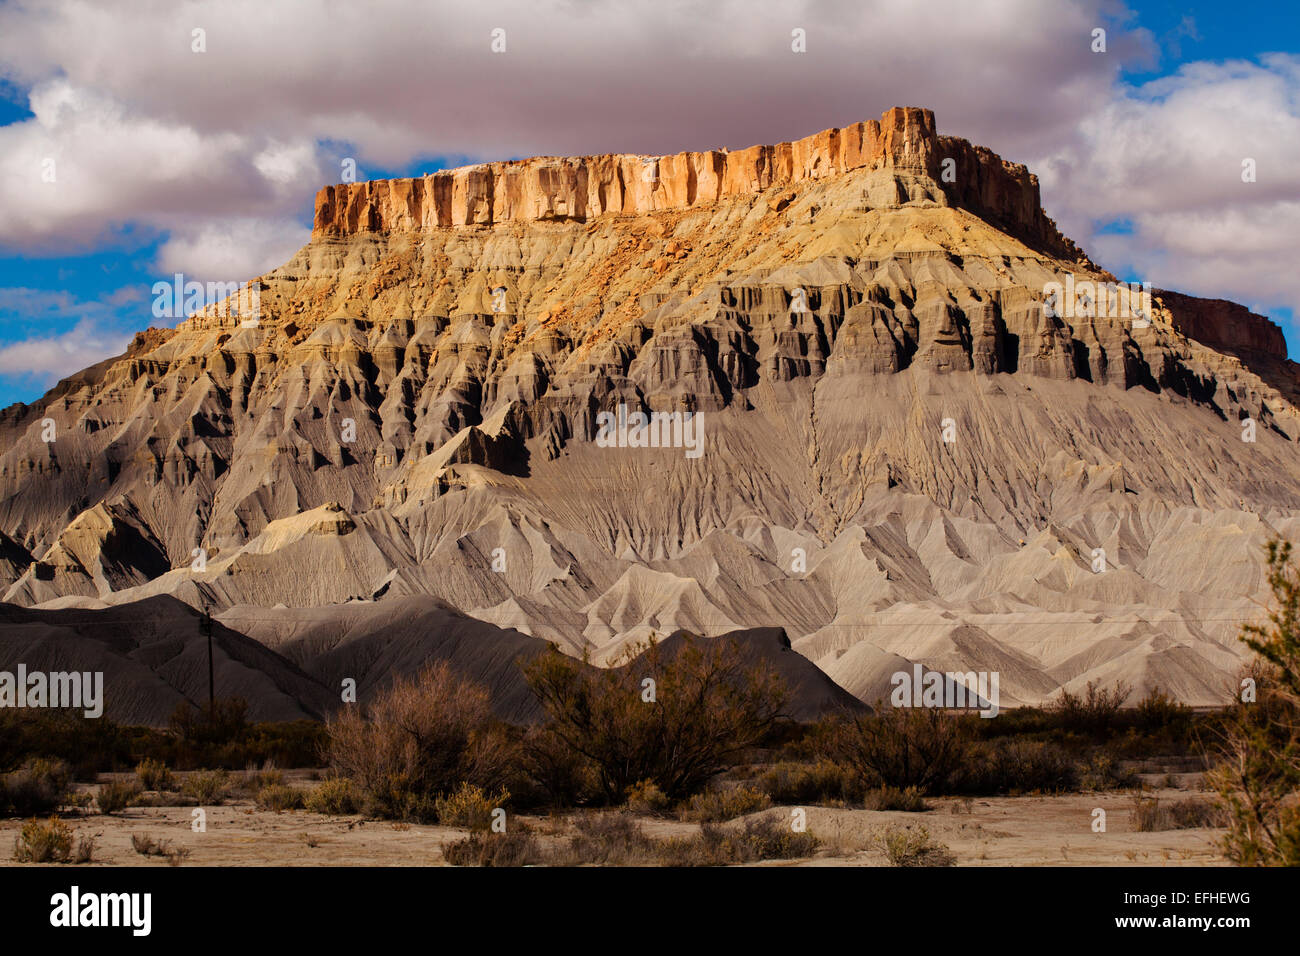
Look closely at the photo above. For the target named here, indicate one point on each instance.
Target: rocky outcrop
(902, 452)
(1223, 325)
(904, 141)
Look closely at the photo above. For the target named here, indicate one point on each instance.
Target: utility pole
(205, 628)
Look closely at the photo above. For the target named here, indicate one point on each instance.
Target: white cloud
(1167, 158)
(223, 150)
(231, 249)
(49, 358)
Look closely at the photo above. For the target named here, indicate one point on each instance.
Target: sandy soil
(994, 831)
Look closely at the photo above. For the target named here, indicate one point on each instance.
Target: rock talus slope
(904, 453)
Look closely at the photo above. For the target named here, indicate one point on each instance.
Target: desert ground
(1032, 830)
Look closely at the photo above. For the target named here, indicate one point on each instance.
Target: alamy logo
(656, 430)
(63, 689)
(1083, 298)
(180, 298)
(946, 689)
(74, 908)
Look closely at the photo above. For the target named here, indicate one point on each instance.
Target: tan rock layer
(583, 188)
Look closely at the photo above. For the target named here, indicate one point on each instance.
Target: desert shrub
(822, 781)
(1158, 711)
(910, 800)
(714, 806)
(1256, 750)
(1007, 765)
(921, 747)
(470, 807)
(277, 796)
(268, 776)
(420, 738)
(1092, 712)
(154, 775)
(1103, 771)
(87, 746)
(206, 786)
(565, 777)
(1150, 815)
(223, 721)
(608, 839)
(51, 841)
(164, 798)
(39, 786)
(516, 847)
(709, 706)
(646, 798)
(117, 795)
(146, 845)
(335, 796)
(761, 838)
(908, 846)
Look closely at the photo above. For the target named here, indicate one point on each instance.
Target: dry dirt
(989, 831)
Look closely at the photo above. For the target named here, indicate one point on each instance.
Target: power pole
(205, 628)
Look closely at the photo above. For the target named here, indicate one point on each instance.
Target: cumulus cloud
(65, 333)
(1167, 158)
(231, 249)
(222, 150)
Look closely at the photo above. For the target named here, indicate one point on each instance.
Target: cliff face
(904, 141)
(417, 408)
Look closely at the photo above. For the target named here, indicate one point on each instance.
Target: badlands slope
(414, 415)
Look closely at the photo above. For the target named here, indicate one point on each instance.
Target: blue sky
(213, 187)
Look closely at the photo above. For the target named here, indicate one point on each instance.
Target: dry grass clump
(716, 806)
(647, 799)
(208, 787)
(51, 841)
(912, 846)
(801, 784)
(763, 838)
(335, 796)
(278, 797)
(117, 795)
(1150, 815)
(909, 800)
(154, 775)
(470, 807)
(515, 847)
(146, 845)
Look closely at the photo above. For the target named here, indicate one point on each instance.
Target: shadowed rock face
(416, 412)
